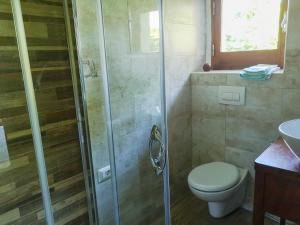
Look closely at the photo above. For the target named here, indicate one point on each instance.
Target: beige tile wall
(238, 134)
(184, 30)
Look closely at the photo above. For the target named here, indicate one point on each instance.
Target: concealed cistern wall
(238, 134)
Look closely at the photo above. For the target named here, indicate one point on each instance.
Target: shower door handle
(158, 158)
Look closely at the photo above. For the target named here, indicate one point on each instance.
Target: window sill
(230, 72)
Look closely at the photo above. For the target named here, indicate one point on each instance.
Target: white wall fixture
(4, 156)
(89, 69)
(104, 174)
(231, 95)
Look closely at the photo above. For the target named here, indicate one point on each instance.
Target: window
(248, 32)
(144, 31)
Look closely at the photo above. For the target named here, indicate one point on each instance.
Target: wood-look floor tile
(193, 211)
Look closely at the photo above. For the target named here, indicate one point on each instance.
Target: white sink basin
(290, 131)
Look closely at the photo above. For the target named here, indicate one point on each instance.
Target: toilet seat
(214, 177)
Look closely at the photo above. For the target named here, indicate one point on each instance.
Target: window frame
(243, 59)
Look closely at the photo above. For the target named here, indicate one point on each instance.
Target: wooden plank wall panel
(20, 194)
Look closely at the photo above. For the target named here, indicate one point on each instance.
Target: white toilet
(221, 184)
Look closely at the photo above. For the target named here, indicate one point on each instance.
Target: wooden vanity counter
(277, 184)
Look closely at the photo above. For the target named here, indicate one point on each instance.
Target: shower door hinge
(213, 8)
(213, 49)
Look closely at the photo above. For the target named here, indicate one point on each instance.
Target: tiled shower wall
(238, 134)
(20, 194)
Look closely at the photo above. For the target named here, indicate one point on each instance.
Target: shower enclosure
(83, 136)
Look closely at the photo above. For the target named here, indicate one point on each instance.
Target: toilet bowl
(221, 184)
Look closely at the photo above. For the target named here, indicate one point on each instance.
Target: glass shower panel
(20, 193)
(46, 33)
(133, 66)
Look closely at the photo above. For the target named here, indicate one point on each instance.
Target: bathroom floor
(192, 211)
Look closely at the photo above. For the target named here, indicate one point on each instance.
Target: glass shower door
(133, 58)
(50, 40)
(20, 192)
(41, 169)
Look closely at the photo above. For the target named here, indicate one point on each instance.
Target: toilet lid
(216, 176)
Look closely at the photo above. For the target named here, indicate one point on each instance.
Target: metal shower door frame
(32, 109)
